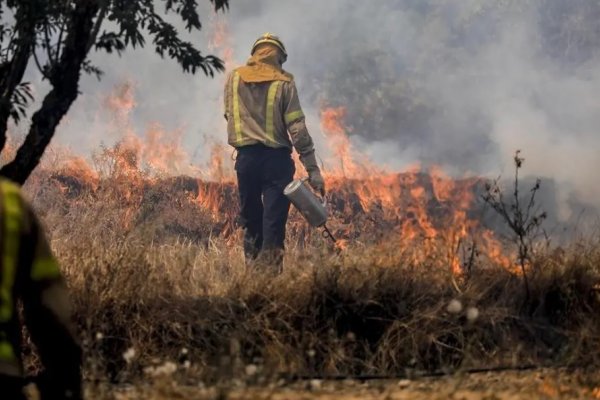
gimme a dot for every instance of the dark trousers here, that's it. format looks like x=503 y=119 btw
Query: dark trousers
x=262 y=174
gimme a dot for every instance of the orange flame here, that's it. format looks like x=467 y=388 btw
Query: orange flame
x=430 y=208
x=211 y=196
x=220 y=39
x=80 y=168
x=121 y=101
x=422 y=213
x=332 y=125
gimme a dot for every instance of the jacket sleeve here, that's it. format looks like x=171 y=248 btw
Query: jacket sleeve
x=296 y=126
x=48 y=314
x=226 y=97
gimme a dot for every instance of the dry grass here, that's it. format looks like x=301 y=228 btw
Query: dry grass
x=511 y=385
x=156 y=298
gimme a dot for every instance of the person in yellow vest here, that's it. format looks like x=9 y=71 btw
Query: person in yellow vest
x=264 y=123
x=30 y=273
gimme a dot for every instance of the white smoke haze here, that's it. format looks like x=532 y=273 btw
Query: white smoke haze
x=457 y=83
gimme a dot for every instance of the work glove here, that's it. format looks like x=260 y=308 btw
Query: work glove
x=315 y=179
x=309 y=160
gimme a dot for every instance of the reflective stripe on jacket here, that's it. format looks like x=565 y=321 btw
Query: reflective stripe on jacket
x=12 y=221
x=267 y=113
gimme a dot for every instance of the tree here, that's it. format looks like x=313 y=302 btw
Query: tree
x=56 y=36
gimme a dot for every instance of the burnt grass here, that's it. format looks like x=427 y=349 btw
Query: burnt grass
x=157 y=280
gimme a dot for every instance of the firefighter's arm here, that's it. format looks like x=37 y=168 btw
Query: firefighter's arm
x=301 y=139
x=226 y=96
x=48 y=316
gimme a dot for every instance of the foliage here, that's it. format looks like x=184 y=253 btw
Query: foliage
x=56 y=37
x=22 y=97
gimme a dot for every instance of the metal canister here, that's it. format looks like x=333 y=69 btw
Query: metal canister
x=309 y=205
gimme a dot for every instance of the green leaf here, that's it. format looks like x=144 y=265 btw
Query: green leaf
x=91 y=69
x=109 y=42
x=20 y=100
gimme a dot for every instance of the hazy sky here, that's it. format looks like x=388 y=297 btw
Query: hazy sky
x=459 y=83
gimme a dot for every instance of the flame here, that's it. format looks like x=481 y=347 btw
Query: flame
x=219 y=166
x=430 y=209
x=78 y=167
x=211 y=196
x=10 y=149
x=156 y=151
x=162 y=151
x=121 y=102
x=344 y=161
x=420 y=213
x=220 y=40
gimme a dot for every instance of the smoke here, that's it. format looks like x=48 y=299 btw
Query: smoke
x=458 y=83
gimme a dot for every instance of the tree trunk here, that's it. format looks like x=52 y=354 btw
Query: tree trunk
x=65 y=83
x=13 y=71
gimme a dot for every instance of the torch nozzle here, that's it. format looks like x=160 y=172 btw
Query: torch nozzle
x=327 y=234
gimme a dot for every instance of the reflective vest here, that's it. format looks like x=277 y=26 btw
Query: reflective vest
x=261 y=112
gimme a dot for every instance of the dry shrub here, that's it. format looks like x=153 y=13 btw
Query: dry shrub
x=158 y=289
x=357 y=313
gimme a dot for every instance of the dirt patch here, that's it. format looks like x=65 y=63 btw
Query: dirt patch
x=538 y=384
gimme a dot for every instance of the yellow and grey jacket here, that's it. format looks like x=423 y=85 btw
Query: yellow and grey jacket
x=30 y=273
x=262 y=107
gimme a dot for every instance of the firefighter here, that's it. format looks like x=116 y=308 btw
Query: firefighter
x=29 y=273
x=264 y=123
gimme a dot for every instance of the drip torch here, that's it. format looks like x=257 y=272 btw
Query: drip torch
x=310 y=206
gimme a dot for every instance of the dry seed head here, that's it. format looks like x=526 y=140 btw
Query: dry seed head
x=404 y=383
x=454 y=307
x=472 y=314
x=166 y=369
x=129 y=355
x=251 y=369
x=315 y=384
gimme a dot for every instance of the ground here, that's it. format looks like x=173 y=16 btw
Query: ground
x=534 y=384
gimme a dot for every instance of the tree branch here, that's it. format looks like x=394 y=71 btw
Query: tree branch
x=39 y=65
x=60 y=37
x=65 y=81
x=15 y=69
x=98 y=24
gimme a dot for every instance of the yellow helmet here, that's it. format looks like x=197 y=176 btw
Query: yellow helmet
x=272 y=39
